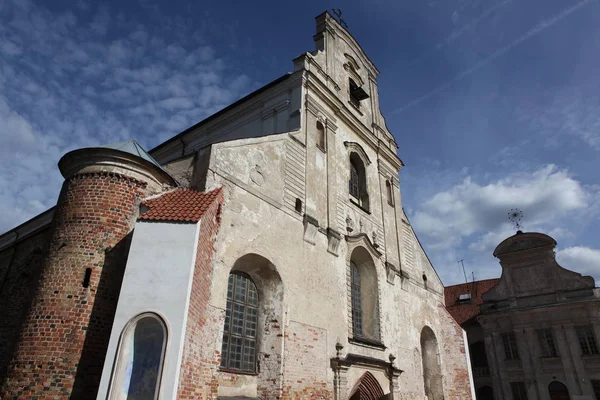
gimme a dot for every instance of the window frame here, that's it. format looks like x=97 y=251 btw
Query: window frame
x=128 y=334
x=511 y=349
x=357 y=181
x=356 y=301
x=587 y=340
x=226 y=355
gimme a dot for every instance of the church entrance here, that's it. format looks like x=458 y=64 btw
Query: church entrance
x=367 y=388
x=558 y=391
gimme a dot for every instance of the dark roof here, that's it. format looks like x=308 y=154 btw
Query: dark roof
x=462 y=311
x=181 y=205
x=224 y=110
x=134 y=148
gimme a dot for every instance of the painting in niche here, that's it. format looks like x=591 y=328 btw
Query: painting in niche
x=142 y=360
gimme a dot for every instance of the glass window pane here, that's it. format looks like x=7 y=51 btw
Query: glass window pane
x=252 y=295
x=251 y=322
x=237 y=322
x=241 y=324
x=140 y=360
x=230 y=288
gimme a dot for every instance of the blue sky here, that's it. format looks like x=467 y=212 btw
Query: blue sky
x=495 y=104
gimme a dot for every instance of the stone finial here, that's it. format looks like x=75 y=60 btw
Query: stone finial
x=338 y=349
x=392 y=359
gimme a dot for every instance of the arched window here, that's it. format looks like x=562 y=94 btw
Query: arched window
x=356 y=301
x=364 y=296
x=320 y=136
x=358 y=182
x=241 y=323
x=141 y=355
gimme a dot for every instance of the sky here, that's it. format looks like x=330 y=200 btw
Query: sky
x=495 y=104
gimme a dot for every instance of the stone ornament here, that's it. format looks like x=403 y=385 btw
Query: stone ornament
x=257 y=176
x=349 y=224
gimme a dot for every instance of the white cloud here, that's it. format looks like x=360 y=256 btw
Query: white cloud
x=470 y=208
x=581 y=259
x=93 y=77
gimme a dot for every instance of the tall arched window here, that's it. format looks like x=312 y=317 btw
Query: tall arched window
x=364 y=296
x=356 y=301
x=141 y=355
x=358 y=182
x=241 y=323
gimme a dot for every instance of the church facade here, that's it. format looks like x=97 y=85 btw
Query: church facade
x=262 y=253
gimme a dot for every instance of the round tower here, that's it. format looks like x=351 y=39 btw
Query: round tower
x=63 y=341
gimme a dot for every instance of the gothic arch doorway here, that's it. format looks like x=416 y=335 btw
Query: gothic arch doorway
x=558 y=391
x=367 y=388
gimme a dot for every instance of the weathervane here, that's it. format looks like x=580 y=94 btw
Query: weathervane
x=515 y=216
x=338 y=13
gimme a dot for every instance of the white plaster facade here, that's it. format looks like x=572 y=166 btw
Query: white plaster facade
x=157 y=280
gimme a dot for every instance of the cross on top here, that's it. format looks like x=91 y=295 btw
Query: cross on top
x=338 y=14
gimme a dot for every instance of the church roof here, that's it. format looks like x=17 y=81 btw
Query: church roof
x=463 y=300
x=134 y=148
x=181 y=205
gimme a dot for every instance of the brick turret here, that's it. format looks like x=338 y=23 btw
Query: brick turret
x=62 y=346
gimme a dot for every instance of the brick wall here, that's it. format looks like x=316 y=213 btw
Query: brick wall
x=306 y=363
x=63 y=343
x=197 y=379
x=454 y=364
x=20 y=268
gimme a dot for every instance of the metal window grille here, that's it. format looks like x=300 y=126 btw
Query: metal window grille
x=518 y=390
x=510 y=346
x=596 y=388
x=241 y=323
x=354 y=181
x=546 y=339
x=587 y=339
x=357 y=327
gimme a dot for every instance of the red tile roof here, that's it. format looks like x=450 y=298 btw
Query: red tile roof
x=183 y=205
x=465 y=310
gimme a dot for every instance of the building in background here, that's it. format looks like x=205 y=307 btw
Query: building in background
x=533 y=333
x=262 y=253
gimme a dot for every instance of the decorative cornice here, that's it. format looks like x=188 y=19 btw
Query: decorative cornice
x=357 y=148
x=315 y=108
x=102 y=159
x=386 y=170
x=363 y=239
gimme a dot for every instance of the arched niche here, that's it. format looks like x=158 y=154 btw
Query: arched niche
x=432 y=371
x=140 y=359
x=558 y=391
